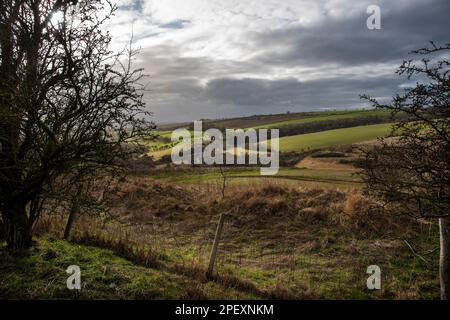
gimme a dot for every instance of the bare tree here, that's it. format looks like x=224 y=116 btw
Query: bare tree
x=412 y=166
x=68 y=104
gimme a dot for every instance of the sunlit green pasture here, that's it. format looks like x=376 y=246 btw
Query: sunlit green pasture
x=317 y=140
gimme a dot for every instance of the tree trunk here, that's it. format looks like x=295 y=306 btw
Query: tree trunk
x=72 y=214
x=17 y=227
x=443 y=259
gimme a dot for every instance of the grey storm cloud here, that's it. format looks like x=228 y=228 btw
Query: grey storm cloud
x=321 y=93
x=350 y=42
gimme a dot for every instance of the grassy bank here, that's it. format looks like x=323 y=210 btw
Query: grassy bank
x=41 y=274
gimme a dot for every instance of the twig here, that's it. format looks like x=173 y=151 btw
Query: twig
x=415 y=253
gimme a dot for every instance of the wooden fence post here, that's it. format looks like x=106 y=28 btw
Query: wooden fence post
x=213 y=256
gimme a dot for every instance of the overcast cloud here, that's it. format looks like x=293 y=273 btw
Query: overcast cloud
x=212 y=59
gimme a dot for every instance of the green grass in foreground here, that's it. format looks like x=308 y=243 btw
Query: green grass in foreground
x=41 y=274
x=335 y=137
x=333 y=268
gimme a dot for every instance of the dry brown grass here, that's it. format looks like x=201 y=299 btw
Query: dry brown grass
x=145 y=212
x=268 y=227
x=331 y=164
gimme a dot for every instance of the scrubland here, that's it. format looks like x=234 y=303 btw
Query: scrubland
x=278 y=241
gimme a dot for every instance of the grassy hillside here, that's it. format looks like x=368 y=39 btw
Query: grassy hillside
x=325 y=116
x=307 y=232
x=277 y=242
x=276 y=120
x=333 y=137
x=41 y=274
x=161 y=146
x=317 y=140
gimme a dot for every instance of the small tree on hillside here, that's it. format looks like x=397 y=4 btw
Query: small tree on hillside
x=412 y=166
x=68 y=105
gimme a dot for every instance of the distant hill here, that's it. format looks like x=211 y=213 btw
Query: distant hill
x=276 y=120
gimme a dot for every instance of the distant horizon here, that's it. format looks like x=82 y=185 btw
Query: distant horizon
x=267 y=114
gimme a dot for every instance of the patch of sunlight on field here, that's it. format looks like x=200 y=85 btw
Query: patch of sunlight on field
x=335 y=137
x=157 y=155
x=328 y=163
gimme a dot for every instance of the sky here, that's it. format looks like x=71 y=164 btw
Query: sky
x=216 y=59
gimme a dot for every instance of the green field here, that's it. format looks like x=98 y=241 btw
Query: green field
x=326 y=116
x=335 y=137
x=252 y=176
